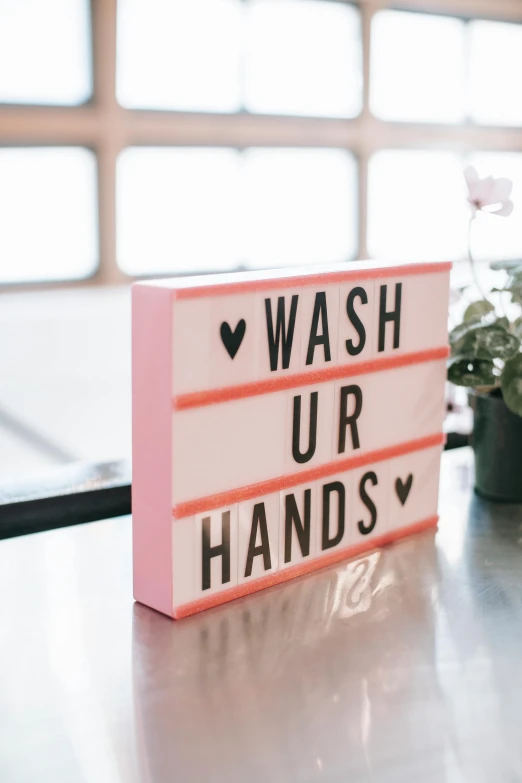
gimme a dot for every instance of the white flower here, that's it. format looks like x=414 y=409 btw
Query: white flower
x=489 y=194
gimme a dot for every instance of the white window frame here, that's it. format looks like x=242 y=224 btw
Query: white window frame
x=107 y=128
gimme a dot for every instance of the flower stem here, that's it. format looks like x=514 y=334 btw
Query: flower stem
x=472 y=263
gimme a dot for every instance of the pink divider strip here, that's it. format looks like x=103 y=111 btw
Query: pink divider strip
x=215 y=396
x=326 y=278
x=262 y=488
x=302 y=568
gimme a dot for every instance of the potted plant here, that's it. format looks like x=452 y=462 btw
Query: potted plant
x=486 y=358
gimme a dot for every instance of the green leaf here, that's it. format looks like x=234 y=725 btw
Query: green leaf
x=462 y=329
x=507 y=265
x=494 y=342
x=480 y=308
x=466 y=346
x=484 y=340
x=471 y=372
x=503 y=322
x=512 y=384
x=516 y=327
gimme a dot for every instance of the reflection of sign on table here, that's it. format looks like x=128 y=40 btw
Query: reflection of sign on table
x=281 y=423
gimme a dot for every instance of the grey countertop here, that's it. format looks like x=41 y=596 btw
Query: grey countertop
x=401 y=665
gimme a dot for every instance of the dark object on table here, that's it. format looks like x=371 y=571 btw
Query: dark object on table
x=497 y=443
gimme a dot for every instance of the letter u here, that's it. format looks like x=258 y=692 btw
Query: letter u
x=298 y=455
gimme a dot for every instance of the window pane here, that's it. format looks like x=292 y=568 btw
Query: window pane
x=178 y=210
x=495 y=237
x=495 y=70
x=300 y=206
x=48 y=214
x=417 y=205
x=417 y=67
x=45 y=52
x=303 y=57
x=194 y=210
x=179 y=54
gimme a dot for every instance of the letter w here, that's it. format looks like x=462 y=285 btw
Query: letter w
x=284 y=334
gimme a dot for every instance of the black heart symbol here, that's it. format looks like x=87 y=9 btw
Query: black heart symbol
x=403 y=488
x=233 y=339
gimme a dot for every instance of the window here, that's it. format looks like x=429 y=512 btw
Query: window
x=181 y=209
x=303 y=58
x=495 y=51
x=178 y=210
x=45 y=52
x=48 y=214
x=428 y=68
x=300 y=207
x=179 y=55
x=410 y=80
x=416 y=204
x=177 y=136
x=416 y=208
x=300 y=57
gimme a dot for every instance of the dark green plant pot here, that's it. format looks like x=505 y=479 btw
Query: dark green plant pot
x=497 y=443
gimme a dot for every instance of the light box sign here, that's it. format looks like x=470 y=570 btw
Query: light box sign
x=282 y=421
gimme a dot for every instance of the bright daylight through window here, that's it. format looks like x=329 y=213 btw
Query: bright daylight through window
x=229 y=134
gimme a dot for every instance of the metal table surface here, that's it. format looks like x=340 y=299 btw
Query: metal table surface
x=401 y=665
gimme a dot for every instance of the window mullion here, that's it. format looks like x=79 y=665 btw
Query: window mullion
x=506 y=10
x=111 y=142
